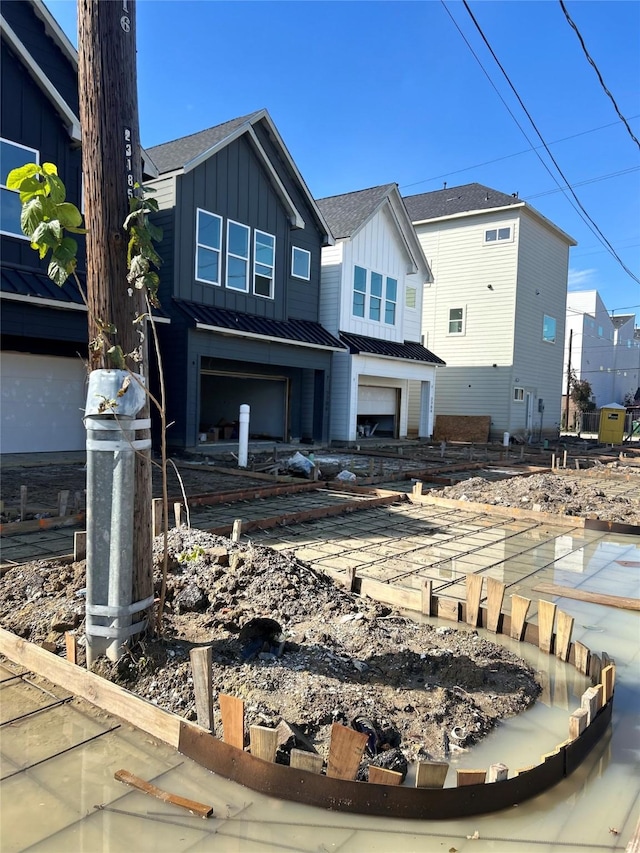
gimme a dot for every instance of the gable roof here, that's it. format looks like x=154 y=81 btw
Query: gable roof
x=469 y=199
x=187 y=152
x=619 y=320
x=346 y=214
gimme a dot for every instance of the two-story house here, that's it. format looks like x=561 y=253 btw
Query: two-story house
x=241 y=282
x=43 y=326
x=496 y=309
x=372 y=286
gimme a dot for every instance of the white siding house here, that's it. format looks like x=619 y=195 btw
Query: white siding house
x=604 y=349
x=371 y=298
x=496 y=309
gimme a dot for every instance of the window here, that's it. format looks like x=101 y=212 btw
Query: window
x=208 y=245
x=518 y=395
x=456 y=321
x=495 y=235
x=390 y=301
x=237 y=256
x=549 y=329
x=410 y=297
x=359 y=291
x=12 y=156
x=300 y=263
x=264 y=259
x=375 y=299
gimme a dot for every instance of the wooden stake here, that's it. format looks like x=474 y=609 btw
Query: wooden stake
x=590 y=702
x=417 y=489
x=595 y=668
x=519 y=609
x=563 y=635
x=177 y=512
x=71 y=646
x=382 y=776
x=470 y=777
x=237 y=530
x=495 y=597
x=232 y=713
x=345 y=752
x=608 y=676
x=425 y=601
x=79 y=545
x=582 y=654
x=431 y=774
x=303 y=760
x=497 y=773
x=201 y=659
x=350 y=578
x=546 y=614
x=135 y=782
x=474 y=592
x=23 y=503
x=157 y=516
x=578 y=723
x=263 y=742
x=63 y=502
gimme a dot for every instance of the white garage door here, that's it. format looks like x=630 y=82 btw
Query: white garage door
x=376 y=400
x=43 y=401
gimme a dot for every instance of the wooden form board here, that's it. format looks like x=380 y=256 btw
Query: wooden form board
x=201 y=659
x=431 y=774
x=300 y=759
x=382 y=776
x=582 y=655
x=193 y=806
x=495 y=598
x=470 y=777
x=264 y=742
x=345 y=752
x=563 y=635
x=546 y=616
x=232 y=713
x=619 y=601
x=519 y=610
x=474 y=593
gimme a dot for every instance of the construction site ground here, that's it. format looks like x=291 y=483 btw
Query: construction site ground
x=382 y=535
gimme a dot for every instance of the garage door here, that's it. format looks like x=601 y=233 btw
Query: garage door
x=376 y=400
x=43 y=402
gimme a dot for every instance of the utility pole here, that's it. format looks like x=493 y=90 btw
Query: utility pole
x=111 y=166
x=566 y=416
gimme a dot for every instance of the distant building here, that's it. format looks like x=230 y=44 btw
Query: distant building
x=496 y=309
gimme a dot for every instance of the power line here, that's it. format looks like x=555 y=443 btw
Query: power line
x=597 y=70
x=584 y=183
x=591 y=224
x=509 y=156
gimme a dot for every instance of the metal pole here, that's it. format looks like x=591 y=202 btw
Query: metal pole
x=566 y=416
x=243 y=436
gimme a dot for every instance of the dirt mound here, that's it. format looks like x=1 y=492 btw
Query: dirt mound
x=295 y=647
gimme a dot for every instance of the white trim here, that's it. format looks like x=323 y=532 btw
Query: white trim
x=221 y=330
x=463 y=330
x=499 y=240
x=19 y=234
x=271 y=294
x=295 y=249
x=230 y=254
x=69 y=117
x=217 y=283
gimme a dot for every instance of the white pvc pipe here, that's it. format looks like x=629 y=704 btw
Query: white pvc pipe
x=243 y=436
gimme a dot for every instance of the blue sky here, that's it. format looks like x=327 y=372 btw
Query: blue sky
x=364 y=93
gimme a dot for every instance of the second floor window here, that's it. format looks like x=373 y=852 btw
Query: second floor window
x=12 y=156
x=237 y=256
x=359 y=291
x=208 y=245
x=377 y=301
x=549 y=329
x=300 y=263
x=375 y=298
x=456 y=321
x=264 y=259
x=391 y=297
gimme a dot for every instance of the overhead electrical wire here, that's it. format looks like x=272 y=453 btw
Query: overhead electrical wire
x=584 y=183
x=597 y=70
x=586 y=218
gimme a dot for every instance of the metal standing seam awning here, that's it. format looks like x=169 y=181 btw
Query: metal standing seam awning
x=409 y=350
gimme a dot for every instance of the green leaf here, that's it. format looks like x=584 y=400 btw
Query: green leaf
x=151 y=204
x=50 y=168
x=131 y=217
x=76 y=230
x=69 y=215
x=66 y=251
x=17 y=176
x=117 y=357
x=30 y=188
x=155 y=232
x=31 y=216
x=57 y=192
x=59 y=272
x=47 y=233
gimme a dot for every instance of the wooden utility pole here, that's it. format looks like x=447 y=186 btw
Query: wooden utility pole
x=111 y=165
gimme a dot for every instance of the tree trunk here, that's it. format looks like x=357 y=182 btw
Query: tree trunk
x=111 y=165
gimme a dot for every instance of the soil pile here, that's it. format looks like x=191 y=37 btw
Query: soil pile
x=294 y=646
x=557 y=493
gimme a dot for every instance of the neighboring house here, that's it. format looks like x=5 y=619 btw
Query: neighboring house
x=605 y=350
x=372 y=284
x=44 y=327
x=496 y=309
x=241 y=282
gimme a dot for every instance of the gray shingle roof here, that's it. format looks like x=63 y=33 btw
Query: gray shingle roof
x=409 y=349
x=347 y=212
x=620 y=319
x=173 y=155
x=469 y=197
